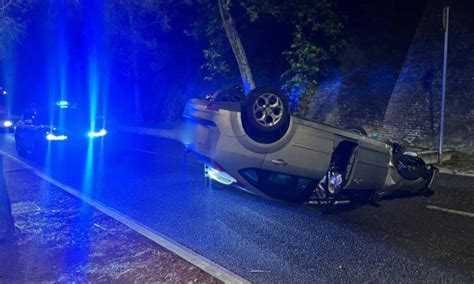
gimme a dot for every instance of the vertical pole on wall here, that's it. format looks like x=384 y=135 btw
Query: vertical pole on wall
x=443 y=91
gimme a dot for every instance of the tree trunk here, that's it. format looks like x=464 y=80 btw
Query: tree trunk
x=137 y=95
x=7 y=227
x=237 y=48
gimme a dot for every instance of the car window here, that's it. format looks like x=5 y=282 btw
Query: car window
x=264 y=179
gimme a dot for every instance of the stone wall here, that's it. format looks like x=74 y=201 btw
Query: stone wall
x=400 y=98
x=379 y=34
x=413 y=112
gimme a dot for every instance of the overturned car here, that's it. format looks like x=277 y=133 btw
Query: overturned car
x=254 y=143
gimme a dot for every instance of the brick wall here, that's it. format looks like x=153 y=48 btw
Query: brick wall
x=412 y=114
x=400 y=98
x=379 y=34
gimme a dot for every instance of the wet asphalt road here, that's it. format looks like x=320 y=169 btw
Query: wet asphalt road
x=155 y=182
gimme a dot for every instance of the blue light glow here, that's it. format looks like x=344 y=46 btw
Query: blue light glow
x=52 y=137
x=101 y=133
x=7 y=123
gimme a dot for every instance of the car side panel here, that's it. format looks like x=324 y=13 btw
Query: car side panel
x=227 y=152
x=307 y=154
x=233 y=157
x=25 y=134
x=370 y=168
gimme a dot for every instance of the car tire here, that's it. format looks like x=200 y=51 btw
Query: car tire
x=265 y=115
x=411 y=168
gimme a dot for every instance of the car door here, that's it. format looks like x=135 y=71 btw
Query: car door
x=25 y=130
x=307 y=154
x=370 y=167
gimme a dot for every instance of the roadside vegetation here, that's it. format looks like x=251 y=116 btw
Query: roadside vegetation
x=157 y=54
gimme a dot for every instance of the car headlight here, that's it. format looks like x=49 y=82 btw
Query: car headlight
x=94 y=134
x=7 y=123
x=53 y=137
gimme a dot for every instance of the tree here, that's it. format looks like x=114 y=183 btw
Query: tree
x=12 y=22
x=314 y=37
x=7 y=226
x=315 y=41
x=236 y=44
x=134 y=25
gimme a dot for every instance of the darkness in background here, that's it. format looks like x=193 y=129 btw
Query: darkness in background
x=378 y=34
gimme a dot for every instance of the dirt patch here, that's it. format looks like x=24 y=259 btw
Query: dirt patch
x=62 y=239
x=461 y=162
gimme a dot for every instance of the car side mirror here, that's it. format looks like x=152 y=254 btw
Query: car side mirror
x=28 y=121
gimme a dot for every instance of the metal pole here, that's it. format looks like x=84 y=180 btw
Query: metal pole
x=443 y=91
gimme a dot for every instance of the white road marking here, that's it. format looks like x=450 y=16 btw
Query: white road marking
x=200 y=261
x=37 y=207
x=143 y=151
x=451 y=211
x=124 y=272
x=99 y=226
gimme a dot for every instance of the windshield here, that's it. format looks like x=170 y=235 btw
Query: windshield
x=69 y=118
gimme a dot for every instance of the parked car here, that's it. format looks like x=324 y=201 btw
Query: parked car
x=61 y=124
x=254 y=143
x=6 y=122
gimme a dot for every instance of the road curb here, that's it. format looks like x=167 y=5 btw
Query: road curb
x=192 y=257
x=454 y=172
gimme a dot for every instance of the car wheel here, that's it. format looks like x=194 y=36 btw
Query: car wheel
x=411 y=168
x=265 y=115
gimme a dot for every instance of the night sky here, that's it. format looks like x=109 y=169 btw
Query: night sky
x=61 y=40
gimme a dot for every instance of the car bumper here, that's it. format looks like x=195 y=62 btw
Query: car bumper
x=395 y=182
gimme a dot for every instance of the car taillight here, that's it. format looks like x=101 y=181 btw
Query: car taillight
x=213 y=107
x=218 y=167
x=215 y=166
